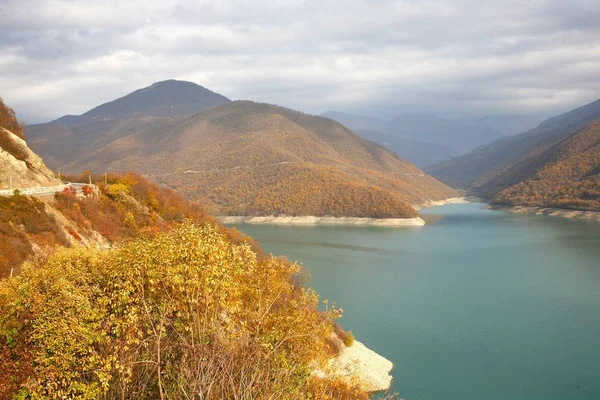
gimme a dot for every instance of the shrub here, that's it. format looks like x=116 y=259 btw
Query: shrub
x=8 y=120
x=169 y=315
x=349 y=339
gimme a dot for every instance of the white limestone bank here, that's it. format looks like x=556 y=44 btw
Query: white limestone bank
x=357 y=364
x=452 y=200
x=311 y=220
x=553 y=212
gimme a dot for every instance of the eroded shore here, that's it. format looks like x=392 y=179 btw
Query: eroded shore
x=553 y=212
x=453 y=200
x=312 y=220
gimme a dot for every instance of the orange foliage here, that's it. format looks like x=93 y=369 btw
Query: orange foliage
x=8 y=120
x=23 y=221
x=297 y=190
x=142 y=206
x=565 y=176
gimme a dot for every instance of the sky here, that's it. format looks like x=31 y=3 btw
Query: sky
x=375 y=57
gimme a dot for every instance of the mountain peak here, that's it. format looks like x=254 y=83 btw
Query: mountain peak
x=164 y=98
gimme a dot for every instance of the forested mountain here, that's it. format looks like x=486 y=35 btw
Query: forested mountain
x=565 y=175
x=419 y=153
x=67 y=138
x=482 y=165
x=248 y=158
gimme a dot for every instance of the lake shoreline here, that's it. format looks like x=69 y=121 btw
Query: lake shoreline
x=451 y=200
x=309 y=220
x=553 y=212
x=312 y=220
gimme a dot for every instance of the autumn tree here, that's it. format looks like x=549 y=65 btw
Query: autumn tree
x=184 y=314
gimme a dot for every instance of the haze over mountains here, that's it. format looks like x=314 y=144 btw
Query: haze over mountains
x=414 y=134
x=480 y=168
x=238 y=157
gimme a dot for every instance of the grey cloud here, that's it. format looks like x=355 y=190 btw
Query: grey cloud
x=381 y=57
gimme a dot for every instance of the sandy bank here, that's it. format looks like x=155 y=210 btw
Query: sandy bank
x=311 y=220
x=554 y=212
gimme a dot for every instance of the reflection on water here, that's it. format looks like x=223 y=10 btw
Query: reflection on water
x=325 y=244
x=478 y=305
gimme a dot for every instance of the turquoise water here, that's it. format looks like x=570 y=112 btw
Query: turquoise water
x=480 y=305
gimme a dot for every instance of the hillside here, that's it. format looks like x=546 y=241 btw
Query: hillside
x=566 y=175
x=19 y=166
x=475 y=169
x=67 y=138
x=247 y=158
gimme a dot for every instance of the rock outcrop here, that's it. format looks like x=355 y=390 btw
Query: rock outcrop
x=21 y=165
x=359 y=365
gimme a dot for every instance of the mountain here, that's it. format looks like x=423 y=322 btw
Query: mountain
x=565 y=175
x=419 y=153
x=65 y=138
x=482 y=165
x=376 y=130
x=166 y=98
x=357 y=122
x=457 y=135
x=511 y=124
x=246 y=158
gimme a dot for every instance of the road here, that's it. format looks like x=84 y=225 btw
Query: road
x=40 y=191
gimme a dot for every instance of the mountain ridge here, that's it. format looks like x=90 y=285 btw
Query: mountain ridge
x=159 y=103
x=242 y=145
x=473 y=170
x=565 y=175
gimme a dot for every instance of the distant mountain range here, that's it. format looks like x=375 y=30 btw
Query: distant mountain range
x=486 y=169
x=239 y=157
x=450 y=136
x=414 y=151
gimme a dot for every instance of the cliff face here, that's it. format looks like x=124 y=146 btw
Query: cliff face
x=21 y=165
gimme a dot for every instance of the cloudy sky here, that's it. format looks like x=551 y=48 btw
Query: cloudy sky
x=451 y=57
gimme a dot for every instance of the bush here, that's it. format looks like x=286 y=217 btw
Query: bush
x=170 y=315
x=349 y=339
x=8 y=120
x=24 y=220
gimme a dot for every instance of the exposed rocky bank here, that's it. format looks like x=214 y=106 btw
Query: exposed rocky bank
x=553 y=212
x=312 y=220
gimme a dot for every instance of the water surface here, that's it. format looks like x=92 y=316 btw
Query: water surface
x=480 y=305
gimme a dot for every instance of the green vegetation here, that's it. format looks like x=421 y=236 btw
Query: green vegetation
x=172 y=315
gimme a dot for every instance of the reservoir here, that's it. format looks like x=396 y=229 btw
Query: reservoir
x=476 y=305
